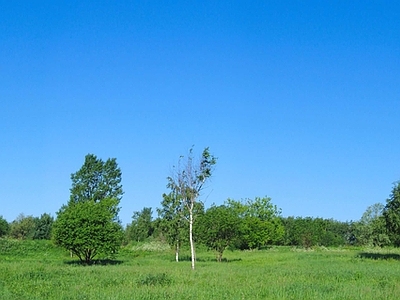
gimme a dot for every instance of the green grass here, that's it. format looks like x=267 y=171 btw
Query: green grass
x=38 y=270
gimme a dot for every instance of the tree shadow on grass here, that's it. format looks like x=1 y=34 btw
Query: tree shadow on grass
x=208 y=259
x=95 y=262
x=379 y=256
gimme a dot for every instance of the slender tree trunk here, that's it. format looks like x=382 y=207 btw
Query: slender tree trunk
x=219 y=259
x=177 y=251
x=191 y=237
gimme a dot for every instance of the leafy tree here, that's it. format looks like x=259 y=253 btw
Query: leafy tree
x=218 y=228
x=89 y=224
x=260 y=222
x=371 y=229
x=391 y=214
x=43 y=227
x=4 y=227
x=262 y=208
x=308 y=232
x=335 y=233
x=172 y=223
x=141 y=227
x=96 y=180
x=257 y=233
x=187 y=181
x=23 y=227
x=88 y=229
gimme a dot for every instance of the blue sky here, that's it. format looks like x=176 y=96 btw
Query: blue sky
x=299 y=100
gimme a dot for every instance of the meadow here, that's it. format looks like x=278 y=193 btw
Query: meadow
x=39 y=270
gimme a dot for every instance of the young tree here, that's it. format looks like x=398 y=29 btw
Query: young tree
x=308 y=232
x=89 y=224
x=391 y=214
x=141 y=227
x=172 y=221
x=218 y=228
x=43 y=228
x=4 y=227
x=187 y=181
x=371 y=229
x=260 y=222
x=23 y=227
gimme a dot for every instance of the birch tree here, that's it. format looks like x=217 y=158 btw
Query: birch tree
x=187 y=181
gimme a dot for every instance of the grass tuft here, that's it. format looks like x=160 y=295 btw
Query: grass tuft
x=155 y=279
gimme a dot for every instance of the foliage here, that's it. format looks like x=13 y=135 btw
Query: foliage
x=218 y=228
x=4 y=227
x=187 y=182
x=29 y=227
x=96 y=180
x=88 y=229
x=23 y=227
x=257 y=233
x=260 y=224
x=43 y=227
x=308 y=232
x=141 y=227
x=371 y=229
x=391 y=214
x=89 y=224
x=172 y=221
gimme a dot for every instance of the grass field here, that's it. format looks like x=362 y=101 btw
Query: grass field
x=38 y=270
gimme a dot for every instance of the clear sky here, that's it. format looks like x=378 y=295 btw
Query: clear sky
x=299 y=100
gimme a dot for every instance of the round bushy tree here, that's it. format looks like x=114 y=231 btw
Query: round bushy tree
x=88 y=229
x=89 y=224
x=218 y=228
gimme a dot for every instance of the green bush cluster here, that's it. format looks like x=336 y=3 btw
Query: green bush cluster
x=31 y=228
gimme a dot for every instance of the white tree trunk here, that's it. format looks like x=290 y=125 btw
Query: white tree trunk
x=177 y=251
x=191 y=237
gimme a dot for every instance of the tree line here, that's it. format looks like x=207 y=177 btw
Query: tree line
x=88 y=225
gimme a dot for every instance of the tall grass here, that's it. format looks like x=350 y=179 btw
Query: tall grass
x=276 y=273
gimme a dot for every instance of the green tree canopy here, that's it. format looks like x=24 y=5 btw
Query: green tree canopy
x=89 y=224
x=23 y=227
x=218 y=227
x=172 y=223
x=260 y=222
x=391 y=214
x=43 y=228
x=371 y=229
x=141 y=227
x=96 y=180
x=88 y=229
x=4 y=227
